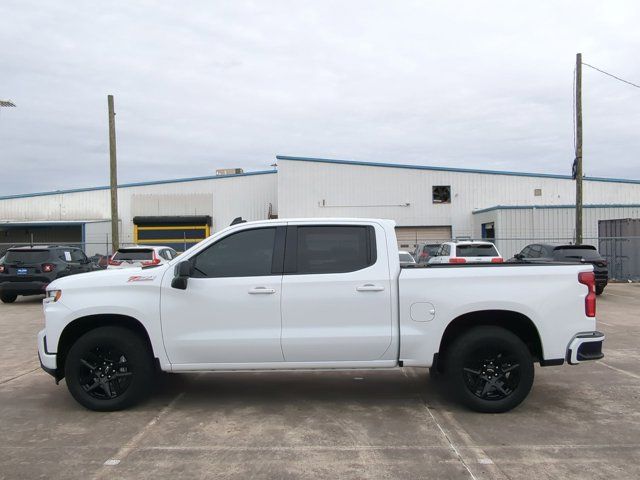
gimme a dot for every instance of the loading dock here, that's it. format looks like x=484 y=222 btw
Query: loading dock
x=178 y=232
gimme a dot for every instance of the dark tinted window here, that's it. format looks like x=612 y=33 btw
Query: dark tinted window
x=134 y=254
x=526 y=252
x=27 y=256
x=431 y=249
x=77 y=256
x=536 y=251
x=244 y=254
x=476 y=250
x=576 y=254
x=334 y=249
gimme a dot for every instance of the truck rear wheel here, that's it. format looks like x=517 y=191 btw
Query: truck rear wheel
x=489 y=369
x=109 y=368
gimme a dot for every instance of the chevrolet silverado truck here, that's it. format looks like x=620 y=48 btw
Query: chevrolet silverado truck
x=316 y=294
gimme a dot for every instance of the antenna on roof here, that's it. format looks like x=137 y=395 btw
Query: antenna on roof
x=237 y=220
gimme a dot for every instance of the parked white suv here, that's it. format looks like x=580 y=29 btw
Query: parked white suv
x=467 y=252
x=131 y=257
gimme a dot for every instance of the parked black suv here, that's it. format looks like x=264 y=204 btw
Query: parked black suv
x=28 y=270
x=544 y=253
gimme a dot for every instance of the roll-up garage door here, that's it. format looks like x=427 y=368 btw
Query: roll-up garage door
x=177 y=232
x=409 y=237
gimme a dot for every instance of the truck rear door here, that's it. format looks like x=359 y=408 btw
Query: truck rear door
x=336 y=294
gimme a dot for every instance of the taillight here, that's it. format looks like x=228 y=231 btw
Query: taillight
x=148 y=263
x=48 y=267
x=457 y=260
x=1 y=268
x=114 y=262
x=589 y=279
x=497 y=260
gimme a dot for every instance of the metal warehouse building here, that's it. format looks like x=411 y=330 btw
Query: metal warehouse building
x=428 y=203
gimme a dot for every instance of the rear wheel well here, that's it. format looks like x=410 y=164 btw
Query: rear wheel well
x=517 y=323
x=82 y=325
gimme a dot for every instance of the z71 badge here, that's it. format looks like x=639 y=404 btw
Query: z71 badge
x=141 y=278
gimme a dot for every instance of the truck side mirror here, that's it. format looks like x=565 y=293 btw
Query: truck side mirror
x=182 y=272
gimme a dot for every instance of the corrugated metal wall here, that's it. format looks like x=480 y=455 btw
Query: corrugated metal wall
x=516 y=228
x=228 y=197
x=619 y=243
x=317 y=189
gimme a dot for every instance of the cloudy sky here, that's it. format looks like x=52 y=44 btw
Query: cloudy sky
x=233 y=83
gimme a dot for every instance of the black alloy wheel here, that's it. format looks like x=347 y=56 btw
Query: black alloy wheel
x=489 y=369
x=109 y=368
x=491 y=374
x=104 y=372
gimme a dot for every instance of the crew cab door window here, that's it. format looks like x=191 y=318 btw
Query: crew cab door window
x=248 y=253
x=336 y=294
x=334 y=249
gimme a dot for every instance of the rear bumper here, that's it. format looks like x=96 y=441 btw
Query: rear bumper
x=47 y=359
x=24 y=288
x=585 y=346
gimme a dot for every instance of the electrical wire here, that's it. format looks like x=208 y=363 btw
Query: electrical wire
x=612 y=76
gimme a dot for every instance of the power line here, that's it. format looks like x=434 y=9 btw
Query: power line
x=613 y=76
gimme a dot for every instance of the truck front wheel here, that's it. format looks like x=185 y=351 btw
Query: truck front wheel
x=489 y=369
x=109 y=368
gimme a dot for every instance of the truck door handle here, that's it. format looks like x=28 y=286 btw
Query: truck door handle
x=263 y=290
x=369 y=287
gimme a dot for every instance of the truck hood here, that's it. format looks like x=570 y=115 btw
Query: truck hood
x=110 y=278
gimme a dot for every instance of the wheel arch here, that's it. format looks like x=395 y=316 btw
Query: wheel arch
x=82 y=325
x=515 y=322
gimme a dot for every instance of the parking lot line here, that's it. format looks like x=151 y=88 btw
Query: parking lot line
x=478 y=455
x=127 y=448
x=7 y=380
x=619 y=369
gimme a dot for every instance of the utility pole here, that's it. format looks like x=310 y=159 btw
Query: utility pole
x=578 y=159
x=113 y=168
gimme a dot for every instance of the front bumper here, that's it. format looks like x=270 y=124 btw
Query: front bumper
x=585 y=346
x=47 y=359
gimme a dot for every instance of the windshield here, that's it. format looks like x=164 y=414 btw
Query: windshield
x=134 y=254
x=476 y=250
x=405 y=257
x=577 y=253
x=27 y=256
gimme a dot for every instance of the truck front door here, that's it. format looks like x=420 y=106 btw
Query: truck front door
x=230 y=310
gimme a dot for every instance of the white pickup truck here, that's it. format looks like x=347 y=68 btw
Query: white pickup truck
x=316 y=294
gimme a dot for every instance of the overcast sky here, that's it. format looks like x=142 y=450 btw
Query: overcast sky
x=233 y=83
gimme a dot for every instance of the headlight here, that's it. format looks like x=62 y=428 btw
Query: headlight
x=53 y=295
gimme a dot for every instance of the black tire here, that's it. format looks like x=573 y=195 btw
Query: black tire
x=489 y=369
x=109 y=368
x=8 y=298
x=600 y=289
